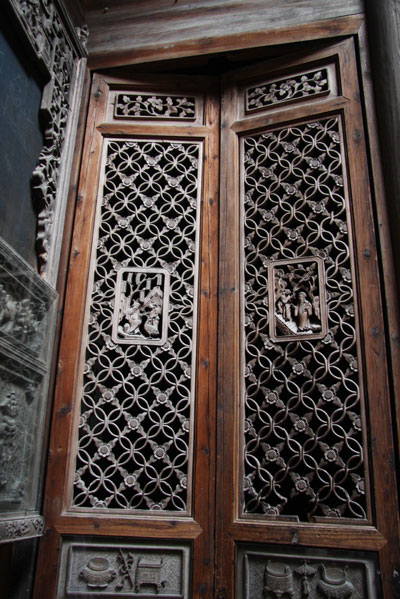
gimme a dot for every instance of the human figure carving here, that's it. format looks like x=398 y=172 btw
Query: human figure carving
x=303 y=311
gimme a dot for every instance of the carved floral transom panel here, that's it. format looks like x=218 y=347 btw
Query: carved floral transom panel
x=134 y=105
x=303 y=416
x=134 y=449
x=280 y=91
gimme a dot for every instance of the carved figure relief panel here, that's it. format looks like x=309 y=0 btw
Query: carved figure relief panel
x=302 y=413
x=273 y=573
x=124 y=569
x=297 y=299
x=134 y=450
x=141 y=306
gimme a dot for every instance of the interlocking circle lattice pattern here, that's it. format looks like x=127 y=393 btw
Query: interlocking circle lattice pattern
x=135 y=426
x=303 y=451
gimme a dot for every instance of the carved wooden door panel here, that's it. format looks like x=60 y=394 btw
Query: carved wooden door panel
x=130 y=493
x=298 y=437
x=306 y=483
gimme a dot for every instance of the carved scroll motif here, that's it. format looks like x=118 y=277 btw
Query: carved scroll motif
x=132 y=106
x=135 y=428
x=303 y=441
x=14 y=529
x=281 y=91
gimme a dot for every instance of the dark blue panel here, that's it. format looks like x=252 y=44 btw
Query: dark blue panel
x=20 y=141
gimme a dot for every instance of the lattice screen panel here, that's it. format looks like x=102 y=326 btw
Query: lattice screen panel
x=303 y=415
x=135 y=431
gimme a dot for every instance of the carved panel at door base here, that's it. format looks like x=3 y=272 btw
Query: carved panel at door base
x=265 y=574
x=124 y=569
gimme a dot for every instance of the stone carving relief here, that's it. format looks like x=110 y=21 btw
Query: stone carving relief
x=139 y=356
x=24 y=303
x=125 y=570
x=14 y=529
x=303 y=421
x=280 y=91
x=56 y=51
x=289 y=575
x=141 y=306
x=26 y=313
x=132 y=106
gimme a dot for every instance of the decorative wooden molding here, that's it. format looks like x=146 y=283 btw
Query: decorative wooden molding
x=17 y=529
x=57 y=47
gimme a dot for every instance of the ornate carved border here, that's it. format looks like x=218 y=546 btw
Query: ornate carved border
x=16 y=529
x=57 y=48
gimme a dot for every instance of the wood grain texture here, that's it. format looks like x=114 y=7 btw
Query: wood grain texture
x=383 y=21
x=60 y=519
x=380 y=448
x=173 y=28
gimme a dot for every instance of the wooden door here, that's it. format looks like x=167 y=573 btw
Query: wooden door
x=130 y=491
x=306 y=481
x=278 y=481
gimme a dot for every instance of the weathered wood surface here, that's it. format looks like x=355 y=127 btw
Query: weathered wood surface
x=384 y=36
x=382 y=533
x=383 y=21
x=166 y=25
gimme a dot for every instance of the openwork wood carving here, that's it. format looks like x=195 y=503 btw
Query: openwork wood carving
x=54 y=49
x=303 y=85
x=134 y=106
x=26 y=319
x=303 y=442
x=124 y=569
x=135 y=429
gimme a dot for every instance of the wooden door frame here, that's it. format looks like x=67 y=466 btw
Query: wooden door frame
x=353 y=26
